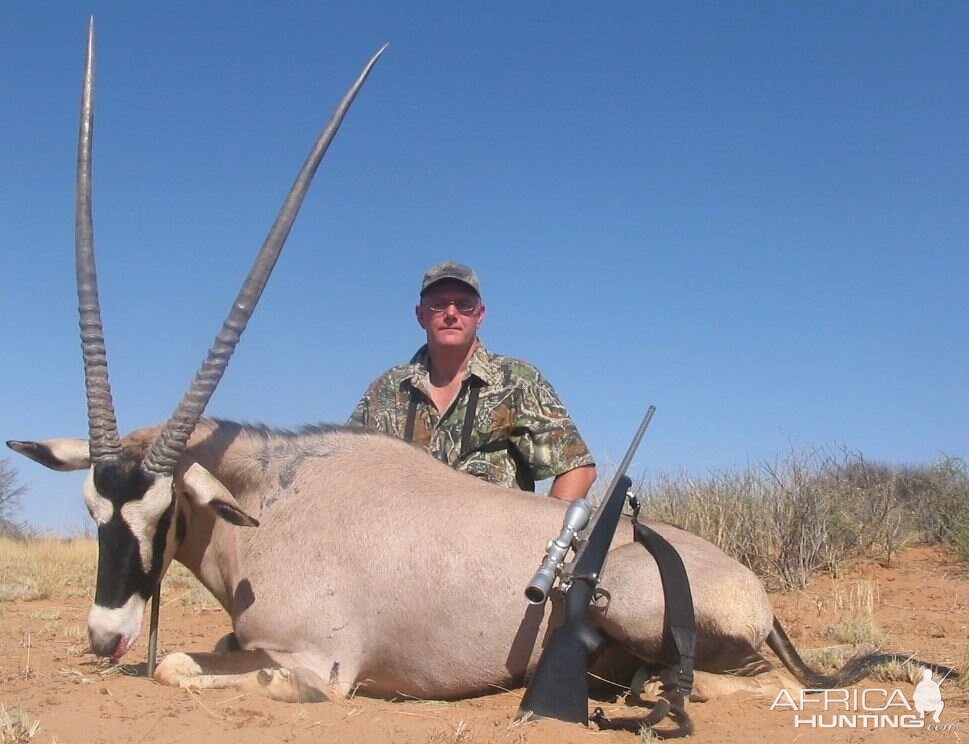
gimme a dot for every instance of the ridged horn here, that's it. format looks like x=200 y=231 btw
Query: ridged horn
x=102 y=424
x=170 y=444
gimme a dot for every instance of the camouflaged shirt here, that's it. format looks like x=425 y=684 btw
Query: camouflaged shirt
x=521 y=431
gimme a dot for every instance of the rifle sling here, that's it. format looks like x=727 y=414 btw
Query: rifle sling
x=679 y=619
x=679 y=634
x=411 y=417
x=466 y=428
x=523 y=471
x=469 y=418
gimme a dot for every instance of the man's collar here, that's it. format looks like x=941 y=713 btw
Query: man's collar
x=480 y=365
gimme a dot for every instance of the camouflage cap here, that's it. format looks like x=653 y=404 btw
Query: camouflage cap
x=450 y=270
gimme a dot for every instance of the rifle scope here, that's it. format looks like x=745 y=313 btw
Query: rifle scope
x=576 y=518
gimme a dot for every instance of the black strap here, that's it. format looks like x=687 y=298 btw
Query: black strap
x=411 y=417
x=412 y=405
x=679 y=618
x=523 y=471
x=679 y=639
x=466 y=429
x=469 y=418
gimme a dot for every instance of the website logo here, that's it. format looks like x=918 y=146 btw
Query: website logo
x=928 y=697
x=867 y=708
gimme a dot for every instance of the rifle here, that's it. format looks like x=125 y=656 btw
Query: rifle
x=559 y=688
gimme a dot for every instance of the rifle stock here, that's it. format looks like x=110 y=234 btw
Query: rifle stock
x=560 y=688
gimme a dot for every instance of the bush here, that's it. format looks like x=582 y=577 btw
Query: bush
x=939 y=498
x=10 y=493
x=14 y=530
x=812 y=510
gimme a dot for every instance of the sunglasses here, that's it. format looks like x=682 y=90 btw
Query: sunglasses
x=465 y=307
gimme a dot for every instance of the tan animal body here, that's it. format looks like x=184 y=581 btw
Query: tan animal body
x=347 y=558
x=375 y=564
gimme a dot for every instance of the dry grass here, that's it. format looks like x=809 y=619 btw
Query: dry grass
x=454 y=732
x=853 y=602
x=16 y=726
x=897 y=671
x=857 y=601
x=43 y=567
x=181 y=587
x=814 y=510
x=962 y=681
x=827 y=657
x=74 y=633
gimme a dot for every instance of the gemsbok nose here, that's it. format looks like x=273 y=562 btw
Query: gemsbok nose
x=104 y=643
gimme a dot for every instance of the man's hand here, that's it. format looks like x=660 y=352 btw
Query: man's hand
x=573 y=484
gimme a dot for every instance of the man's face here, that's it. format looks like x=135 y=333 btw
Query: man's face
x=451 y=313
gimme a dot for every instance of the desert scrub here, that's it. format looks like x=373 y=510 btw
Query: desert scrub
x=813 y=510
x=38 y=568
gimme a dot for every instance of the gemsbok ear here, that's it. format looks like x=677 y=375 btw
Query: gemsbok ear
x=57 y=454
x=205 y=490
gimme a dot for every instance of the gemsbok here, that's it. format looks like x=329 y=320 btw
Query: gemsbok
x=348 y=558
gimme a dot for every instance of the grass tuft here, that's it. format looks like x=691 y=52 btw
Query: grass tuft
x=16 y=726
x=455 y=732
x=857 y=602
x=827 y=657
x=897 y=671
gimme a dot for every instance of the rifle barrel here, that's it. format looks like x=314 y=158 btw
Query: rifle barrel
x=626 y=460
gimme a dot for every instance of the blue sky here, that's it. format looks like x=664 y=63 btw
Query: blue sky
x=751 y=215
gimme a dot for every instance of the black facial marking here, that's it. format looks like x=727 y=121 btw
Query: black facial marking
x=120 y=573
x=121 y=480
x=38 y=453
x=232 y=515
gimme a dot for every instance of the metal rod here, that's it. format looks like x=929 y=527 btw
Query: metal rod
x=153 y=630
x=621 y=470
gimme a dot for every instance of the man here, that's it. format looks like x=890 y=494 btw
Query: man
x=488 y=415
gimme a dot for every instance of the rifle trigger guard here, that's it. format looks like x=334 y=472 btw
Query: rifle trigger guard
x=601 y=594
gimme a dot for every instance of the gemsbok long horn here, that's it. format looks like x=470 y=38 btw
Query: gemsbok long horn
x=170 y=444
x=104 y=441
